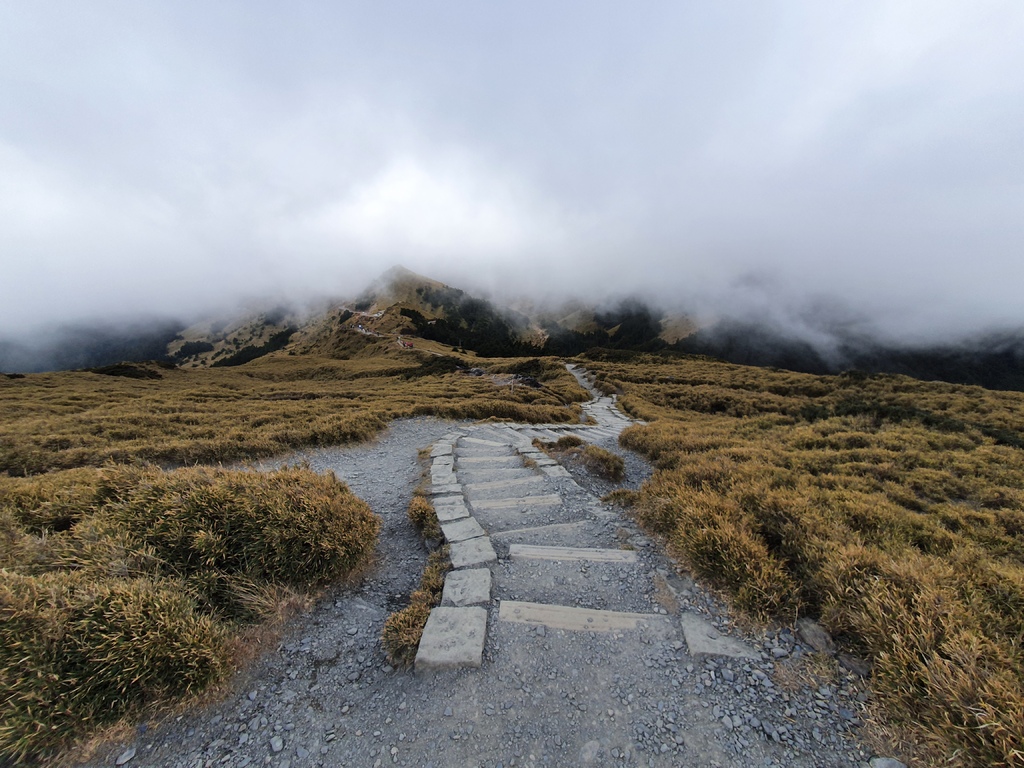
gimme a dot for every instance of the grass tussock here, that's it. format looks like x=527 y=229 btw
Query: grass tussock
x=889 y=508
x=403 y=629
x=124 y=586
x=421 y=513
x=601 y=462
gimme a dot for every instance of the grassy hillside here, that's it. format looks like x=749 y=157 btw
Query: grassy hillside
x=889 y=508
x=278 y=402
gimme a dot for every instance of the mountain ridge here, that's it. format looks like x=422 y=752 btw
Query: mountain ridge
x=401 y=304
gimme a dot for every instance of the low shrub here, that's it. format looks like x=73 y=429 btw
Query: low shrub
x=292 y=526
x=75 y=653
x=421 y=513
x=604 y=463
x=126 y=586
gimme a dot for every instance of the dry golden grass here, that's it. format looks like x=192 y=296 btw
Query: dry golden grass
x=274 y=404
x=421 y=513
x=890 y=508
x=125 y=586
x=601 y=462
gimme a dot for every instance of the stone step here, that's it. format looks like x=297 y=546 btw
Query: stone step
x=555 y=471
x=475 y=474
x=574 y=619
x=497 y=462
x=446 y=513
x=606 y=586
x=471 y=586
x=453 y=638
x=482 y=441
x=594 y=555
x=478 y=551
x=502 y=486
x=518 y=503
x=461 y=530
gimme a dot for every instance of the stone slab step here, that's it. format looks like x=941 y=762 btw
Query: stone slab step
x=447 y=489
x=473 y=475
x=449 y=512
x=491 y=461
x=461 y=530
x=535 y=552
x=453 y=638
x=471 y=586
x=481 y=441
x=555 y=531
x=702 y=637
x=504 y=484
x=573 y=619
x=478 y=551
x=441 y=449
x=555 y=471
x=520 y=502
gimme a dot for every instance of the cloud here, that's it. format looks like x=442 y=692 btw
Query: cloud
x=174 y=157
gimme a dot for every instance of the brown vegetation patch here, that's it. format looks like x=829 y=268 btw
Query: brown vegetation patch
x=126 y=586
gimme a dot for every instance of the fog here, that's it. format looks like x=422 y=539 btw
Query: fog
x=861 y=160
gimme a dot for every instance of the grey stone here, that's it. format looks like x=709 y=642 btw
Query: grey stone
x=125 y=756
x=276 y=743
x=701 y=637
x=441 y=449
x=452 y=638
x=478 y=551
x=450 y=489
x=461 y=530
x=468 y=587
x=859 y=667
x=886 y=762
x=448 y=512
x=812 y=633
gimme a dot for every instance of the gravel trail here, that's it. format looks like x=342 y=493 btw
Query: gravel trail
x=546 y=693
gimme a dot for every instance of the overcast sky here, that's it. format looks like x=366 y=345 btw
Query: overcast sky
x=723 y=156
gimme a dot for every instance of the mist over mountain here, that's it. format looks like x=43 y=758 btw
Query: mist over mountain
x=88 y=345
x=814 y=338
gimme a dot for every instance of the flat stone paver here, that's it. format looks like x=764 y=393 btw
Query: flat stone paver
x=479 y=441
x=546 y=500
x=471 y=586
x=449 y=512
x=441 y=449
x=702 y=637
x=461 y=530
x=534 y=552
x=478 y=551
x=574 y=619
x=502 y=485
x=452 y=638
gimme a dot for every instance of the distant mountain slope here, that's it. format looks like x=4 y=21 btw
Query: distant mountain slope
x=993 y=361
x=88 y=346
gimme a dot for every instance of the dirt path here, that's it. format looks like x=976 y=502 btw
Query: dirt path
x=587 y=648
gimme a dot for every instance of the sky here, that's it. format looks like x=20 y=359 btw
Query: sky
x=725 y=158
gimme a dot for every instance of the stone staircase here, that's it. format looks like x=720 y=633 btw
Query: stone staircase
x=532 y=547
